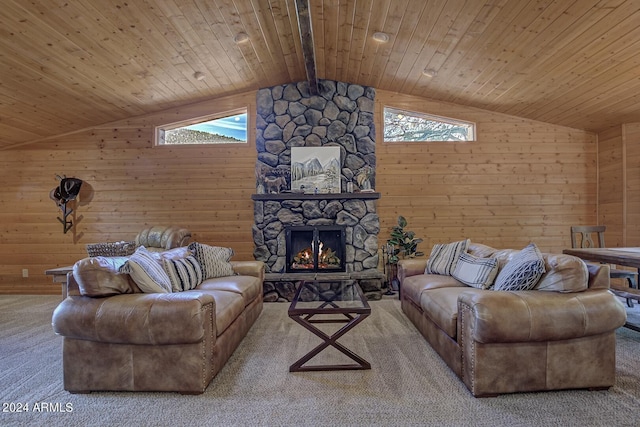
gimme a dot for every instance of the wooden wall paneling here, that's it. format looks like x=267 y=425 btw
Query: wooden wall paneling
x=521 y=180
x=631 y=132
x=129 y=184
x=610 y=185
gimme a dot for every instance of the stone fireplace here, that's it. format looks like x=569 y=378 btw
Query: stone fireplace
x=340 y=116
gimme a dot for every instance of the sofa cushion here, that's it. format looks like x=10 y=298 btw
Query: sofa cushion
x=480 y=250
x=444 y=257
x=184 y=273
x=213 y=259
x=147 y=272
x=229 y=306
x=413 y=286
x=249 y=287
x=476 y=272
x=100 y=276
x=522 y=272
x=441 y=306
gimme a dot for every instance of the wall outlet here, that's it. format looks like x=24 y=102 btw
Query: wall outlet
x=25 y=272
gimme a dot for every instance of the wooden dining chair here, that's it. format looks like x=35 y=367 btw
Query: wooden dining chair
x=585 y=234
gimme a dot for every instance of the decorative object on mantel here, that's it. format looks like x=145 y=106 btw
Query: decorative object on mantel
x=364 y=178
x=270 y=180
x=402 y=244
x=64 y=193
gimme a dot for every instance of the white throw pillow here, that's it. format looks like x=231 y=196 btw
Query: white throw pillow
x=477 y=272
x=444 y=257
x=522 y=272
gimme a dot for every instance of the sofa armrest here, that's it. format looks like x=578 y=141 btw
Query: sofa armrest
x=176 y=318
x=411 y=267
x=249 y=268
x=523 y=316
x=599 y=276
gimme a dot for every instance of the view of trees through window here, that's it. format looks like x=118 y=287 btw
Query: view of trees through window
x=229 y=129
x=408 y=126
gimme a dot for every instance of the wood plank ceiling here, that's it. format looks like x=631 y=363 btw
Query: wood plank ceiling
x=68 y=65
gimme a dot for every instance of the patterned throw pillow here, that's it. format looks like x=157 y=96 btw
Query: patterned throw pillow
x=477 y=272
x=184 y=273
x=522 y=272
x=444 y=257
x=214 y=260
x=147 y=272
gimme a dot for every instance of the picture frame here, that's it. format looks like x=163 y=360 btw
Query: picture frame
x=315 y=170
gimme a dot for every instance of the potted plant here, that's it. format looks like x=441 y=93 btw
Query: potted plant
x=402 y=244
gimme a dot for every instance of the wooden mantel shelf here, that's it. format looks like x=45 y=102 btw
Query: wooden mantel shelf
x=302 y=196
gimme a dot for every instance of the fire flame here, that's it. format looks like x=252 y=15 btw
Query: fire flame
x=326 y=258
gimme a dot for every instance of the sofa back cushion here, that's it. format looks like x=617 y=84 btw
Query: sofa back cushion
x=564 y=273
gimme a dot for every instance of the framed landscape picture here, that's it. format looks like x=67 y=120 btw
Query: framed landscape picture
x=315 y=169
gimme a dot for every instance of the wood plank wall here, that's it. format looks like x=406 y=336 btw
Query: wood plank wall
x=128 y=184
x=520 y=181
x=632 y=143
x=611 y=200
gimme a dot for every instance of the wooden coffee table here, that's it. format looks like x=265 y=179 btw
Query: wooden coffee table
x=329 y=301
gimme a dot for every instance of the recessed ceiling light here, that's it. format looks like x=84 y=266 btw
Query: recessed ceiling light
x=241 y=38
x=429 y=72
x=381 y=37
x=198 y=75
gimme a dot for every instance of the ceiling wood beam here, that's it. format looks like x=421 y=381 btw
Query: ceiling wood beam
x=306 y=37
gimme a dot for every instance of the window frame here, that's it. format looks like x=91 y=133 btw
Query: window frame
x=160 y=129
x=429 y=117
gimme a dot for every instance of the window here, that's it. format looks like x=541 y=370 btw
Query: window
x=408 y=126
x=225 y=128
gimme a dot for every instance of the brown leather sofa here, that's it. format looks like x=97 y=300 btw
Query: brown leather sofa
x=127 y=340
x=560 y=335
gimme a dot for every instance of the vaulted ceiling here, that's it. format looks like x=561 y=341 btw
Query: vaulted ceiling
x=69 y=65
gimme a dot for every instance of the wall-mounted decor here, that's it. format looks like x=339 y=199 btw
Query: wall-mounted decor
x=315 y=169
x=64 y=193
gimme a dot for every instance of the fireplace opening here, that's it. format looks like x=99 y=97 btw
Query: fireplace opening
x=315 y=249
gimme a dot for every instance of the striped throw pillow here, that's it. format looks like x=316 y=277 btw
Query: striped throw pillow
x=444 y=257
x=147 y=272
x=213 y=259
x=184 y=273
x=477 y=272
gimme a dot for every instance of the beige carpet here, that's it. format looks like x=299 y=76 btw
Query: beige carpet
x=407 y=385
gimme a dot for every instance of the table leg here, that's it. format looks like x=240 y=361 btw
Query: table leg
x=329 y=340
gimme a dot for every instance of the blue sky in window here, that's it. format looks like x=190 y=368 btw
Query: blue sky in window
x=233 y=126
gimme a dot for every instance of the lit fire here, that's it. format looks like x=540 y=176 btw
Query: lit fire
x=327 y=258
